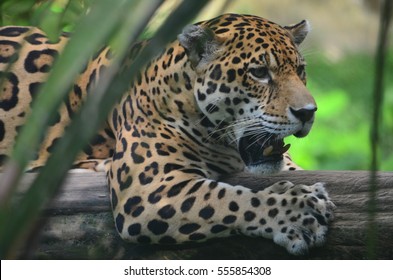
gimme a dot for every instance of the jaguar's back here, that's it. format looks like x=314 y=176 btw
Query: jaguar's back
x=26 y=57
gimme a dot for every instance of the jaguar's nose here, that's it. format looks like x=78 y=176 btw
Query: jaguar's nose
x=304 y=114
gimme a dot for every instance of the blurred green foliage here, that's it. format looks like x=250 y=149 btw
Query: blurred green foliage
x=340 y=137
x=49 y=15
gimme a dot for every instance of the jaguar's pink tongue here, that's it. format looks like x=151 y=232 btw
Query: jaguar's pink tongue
x=267 y=151
x=274 y=149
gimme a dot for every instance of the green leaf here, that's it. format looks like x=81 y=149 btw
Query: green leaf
x=105 y=16
x=83 y=126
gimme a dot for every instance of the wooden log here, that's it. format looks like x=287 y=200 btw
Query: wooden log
x=79 y=222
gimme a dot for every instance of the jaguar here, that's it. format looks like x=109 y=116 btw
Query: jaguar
x=220 y=99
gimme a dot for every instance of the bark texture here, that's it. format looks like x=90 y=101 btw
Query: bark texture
x=79 y=224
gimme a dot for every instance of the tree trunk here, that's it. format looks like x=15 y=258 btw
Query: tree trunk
x=79 y=224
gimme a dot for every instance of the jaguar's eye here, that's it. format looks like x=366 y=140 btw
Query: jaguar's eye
x=260 y=73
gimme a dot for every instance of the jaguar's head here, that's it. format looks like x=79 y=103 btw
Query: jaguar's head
x=251 y=84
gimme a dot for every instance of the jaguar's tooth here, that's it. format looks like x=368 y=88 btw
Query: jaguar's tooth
x=286 y=148
x=267 y=151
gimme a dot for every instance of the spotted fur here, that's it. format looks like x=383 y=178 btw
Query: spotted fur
x=218 y=100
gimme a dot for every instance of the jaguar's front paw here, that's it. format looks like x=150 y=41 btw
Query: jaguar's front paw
x=298 y=216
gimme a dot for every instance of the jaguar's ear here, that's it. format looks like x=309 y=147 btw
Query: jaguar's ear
x=200 y=43
x=299 y=31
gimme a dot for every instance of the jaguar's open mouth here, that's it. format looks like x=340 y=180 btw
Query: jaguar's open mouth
x=269 y=149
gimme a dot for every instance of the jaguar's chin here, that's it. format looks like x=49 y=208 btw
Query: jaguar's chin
x=265 y=168
x=262 y=155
